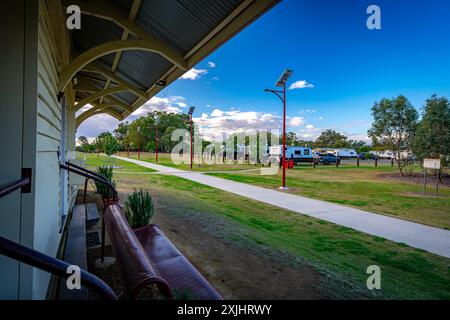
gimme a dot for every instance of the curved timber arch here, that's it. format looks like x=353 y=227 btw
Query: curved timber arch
x=98 y=95
x=110 y=47
x=97 y=110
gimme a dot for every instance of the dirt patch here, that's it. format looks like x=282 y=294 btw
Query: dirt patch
x=235 y=272
x=422 y=195
x=416 y=178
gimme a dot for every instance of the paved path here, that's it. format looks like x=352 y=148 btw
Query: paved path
x=434 y=240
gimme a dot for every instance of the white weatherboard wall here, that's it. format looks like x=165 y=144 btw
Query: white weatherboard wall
x=49 y=194
x=31 y=130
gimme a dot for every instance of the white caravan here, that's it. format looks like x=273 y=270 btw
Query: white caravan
x=298 y=154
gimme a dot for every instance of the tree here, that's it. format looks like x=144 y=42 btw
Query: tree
x=84 y=144
x=106 y=142
x=394 y=127
x=291 y=139
x=110 y=145
x=121 y=135
x=432 y=139
x=331 y=139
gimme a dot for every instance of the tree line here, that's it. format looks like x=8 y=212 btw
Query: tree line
x=397 y=126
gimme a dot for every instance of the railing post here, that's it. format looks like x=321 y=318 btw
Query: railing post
x=85 y=190
x=103 y=240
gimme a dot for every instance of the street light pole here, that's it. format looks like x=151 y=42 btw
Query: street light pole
x=156 y=142
x=282 y=95
x=139 y=142
x=128 y=140
x=192 y=151
x=191 y=124
x=283 y=185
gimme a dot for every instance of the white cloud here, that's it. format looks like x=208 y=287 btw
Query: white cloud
x=217 y=113
x=296 y=121
x=172 y=104
x=220 y=122
x=216 y=78
x=359 y=136
x=84 y=109
x=97 y=124
x=211 y=64
x=309 y=132
x=305 y=111
x=301 y=84
x=194 y=74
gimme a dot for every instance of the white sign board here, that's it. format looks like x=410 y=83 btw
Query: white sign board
x=432 y=163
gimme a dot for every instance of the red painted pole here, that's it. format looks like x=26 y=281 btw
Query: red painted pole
x=284 y=137
x=139 y=145
x=156 y=142
x=192 y=151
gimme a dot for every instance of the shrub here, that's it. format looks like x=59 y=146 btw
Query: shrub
x=139 y=208
x=107 y=173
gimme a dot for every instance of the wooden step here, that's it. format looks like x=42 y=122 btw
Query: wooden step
x=75 y=252
x=92 y=214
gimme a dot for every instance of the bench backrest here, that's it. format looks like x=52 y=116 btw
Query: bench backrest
x=134 y=264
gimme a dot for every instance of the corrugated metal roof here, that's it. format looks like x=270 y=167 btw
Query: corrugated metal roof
x=181 y=24
x=143 y=67
x=125 y=96
x=94 y=32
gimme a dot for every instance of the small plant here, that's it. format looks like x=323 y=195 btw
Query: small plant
x=139 y=208
x=107 y=173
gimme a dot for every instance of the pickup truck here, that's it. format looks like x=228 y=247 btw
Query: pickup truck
x=327 y=159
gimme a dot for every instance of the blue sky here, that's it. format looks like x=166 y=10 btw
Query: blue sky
x=328 y=45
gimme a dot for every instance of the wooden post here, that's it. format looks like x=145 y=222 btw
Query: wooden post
x=437 y=182
x=392 y=162
x=357 y=162
x=424 y=180
x=376 y=162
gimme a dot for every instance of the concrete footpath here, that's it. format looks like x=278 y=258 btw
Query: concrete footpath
x=431 y=239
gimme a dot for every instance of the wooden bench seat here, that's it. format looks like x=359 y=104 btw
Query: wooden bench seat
x=145 y=256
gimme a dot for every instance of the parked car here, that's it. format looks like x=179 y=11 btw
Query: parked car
x=367 y=156
x=328 y=158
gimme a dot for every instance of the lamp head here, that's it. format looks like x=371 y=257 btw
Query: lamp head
x=284 y=78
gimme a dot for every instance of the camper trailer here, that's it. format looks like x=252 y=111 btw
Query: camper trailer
x=346 y=153
x=385 y=154
x=298 y=154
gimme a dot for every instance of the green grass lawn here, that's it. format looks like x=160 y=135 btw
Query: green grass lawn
x=165 y=160
x=93 y=161
x=364 y=188
x=342 y=254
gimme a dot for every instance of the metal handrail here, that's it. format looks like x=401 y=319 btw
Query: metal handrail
x=55 y=266
x=47 y=263
x=70 y=164
x=91 y=175
x=13 y=186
